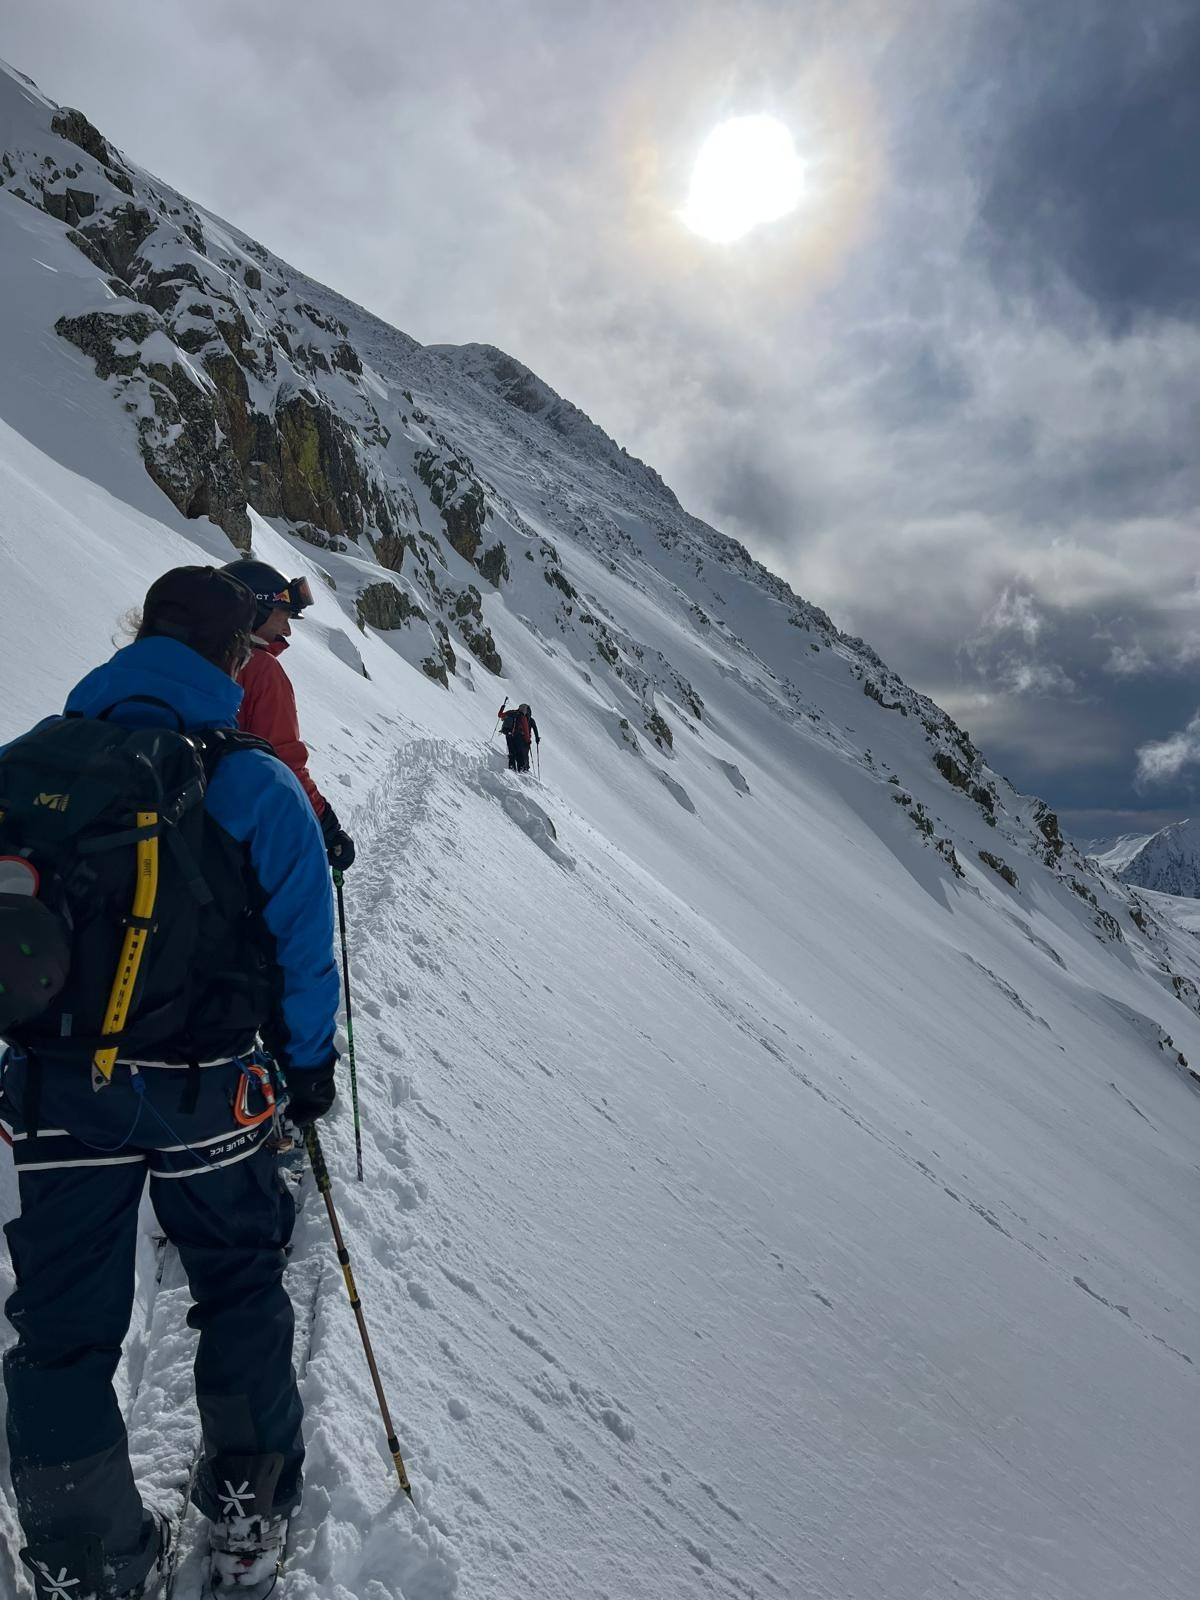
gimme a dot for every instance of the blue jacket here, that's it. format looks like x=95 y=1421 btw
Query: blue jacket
x=253 y=797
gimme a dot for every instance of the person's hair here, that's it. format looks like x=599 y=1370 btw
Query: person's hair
x=230 y=653
x=210 y=612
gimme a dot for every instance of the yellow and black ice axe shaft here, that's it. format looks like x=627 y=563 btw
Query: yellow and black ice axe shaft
x=137 y=934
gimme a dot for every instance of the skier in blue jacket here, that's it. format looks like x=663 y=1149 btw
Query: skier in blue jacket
x=185 y=1118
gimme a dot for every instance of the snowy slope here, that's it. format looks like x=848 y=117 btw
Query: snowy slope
x=765 y=1193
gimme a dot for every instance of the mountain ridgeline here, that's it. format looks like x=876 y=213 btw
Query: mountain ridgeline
x=459 y=481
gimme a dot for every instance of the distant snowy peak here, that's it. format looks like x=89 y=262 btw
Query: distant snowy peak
x=1168 y=861
x=514 y=383
x=1114 y=851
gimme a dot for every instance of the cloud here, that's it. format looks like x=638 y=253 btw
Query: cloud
x=1015 y=613
x=1167 y=759
x=952 y=398
x=1005 y=651
x=1092 y=186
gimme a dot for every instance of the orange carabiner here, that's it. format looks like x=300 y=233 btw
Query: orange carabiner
x=242 y=1115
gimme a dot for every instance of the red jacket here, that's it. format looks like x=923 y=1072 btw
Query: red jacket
x=269 y=710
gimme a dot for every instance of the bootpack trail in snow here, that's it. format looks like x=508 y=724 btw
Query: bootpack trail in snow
x=778 y=1139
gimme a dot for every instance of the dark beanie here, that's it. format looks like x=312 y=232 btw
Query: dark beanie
x=202 y=607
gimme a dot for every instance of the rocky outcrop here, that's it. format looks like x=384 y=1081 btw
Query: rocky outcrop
x=466 y=610
x=493 y=565
x=383 y=605
x=180 y=424
x=1001 y=868
x=186 y=454
x=458 y=495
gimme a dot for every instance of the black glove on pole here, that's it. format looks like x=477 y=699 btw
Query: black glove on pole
x=310 y=1094
x=339 y=846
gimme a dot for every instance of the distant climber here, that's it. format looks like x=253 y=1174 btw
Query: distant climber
x=519 y=730
x=269 y=701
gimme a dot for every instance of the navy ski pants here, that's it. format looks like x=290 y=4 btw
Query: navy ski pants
x=217 y=1195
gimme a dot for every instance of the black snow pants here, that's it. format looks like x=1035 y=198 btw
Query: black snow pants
x=218 y=1198
x=518 y=752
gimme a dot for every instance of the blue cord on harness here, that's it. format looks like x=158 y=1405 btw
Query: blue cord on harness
x=138 y=1084
x=14 y=1054
x=139 y=1088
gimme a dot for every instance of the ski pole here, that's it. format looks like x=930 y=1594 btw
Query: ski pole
x=539 y=760
x=341 y=905
x=316 y=1156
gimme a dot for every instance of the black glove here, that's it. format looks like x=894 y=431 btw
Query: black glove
x=310 y=1094
x=339 y=846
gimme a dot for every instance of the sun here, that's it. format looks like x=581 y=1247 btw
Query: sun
x=747 y=173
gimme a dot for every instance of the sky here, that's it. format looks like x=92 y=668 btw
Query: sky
x=954 y=397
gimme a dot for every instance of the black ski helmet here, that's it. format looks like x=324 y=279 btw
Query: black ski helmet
x=201 y=607
x=270 y=588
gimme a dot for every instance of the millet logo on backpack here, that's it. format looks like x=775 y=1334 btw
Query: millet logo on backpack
x=54 y=802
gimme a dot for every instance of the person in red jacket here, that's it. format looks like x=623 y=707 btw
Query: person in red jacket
x=268 y=699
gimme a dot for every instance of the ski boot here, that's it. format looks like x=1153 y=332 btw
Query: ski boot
x=75 y=1569
x=246 y=1542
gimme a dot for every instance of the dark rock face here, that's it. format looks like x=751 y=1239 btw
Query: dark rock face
x=659 y=729
x=1000 y=867
x=187 y=456
x=1047 y=825
x=183 y=443
x=318 y=537
x=118 y=236
x=458 y=495
x=389 y=550
x=100 y=333
x=320 y=477
x=493 y=565
x=444 y=662
x=467 y=612
x=382 y=605
x=73 y=126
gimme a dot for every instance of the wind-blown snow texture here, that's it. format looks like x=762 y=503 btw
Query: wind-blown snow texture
x=780 y=1147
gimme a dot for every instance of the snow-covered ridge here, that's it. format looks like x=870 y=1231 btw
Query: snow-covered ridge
x=779 y=1141
x=1114 y=853
x=1168 y=860
x=518 y=386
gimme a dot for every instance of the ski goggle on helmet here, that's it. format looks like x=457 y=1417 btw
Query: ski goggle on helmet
x=271 y=589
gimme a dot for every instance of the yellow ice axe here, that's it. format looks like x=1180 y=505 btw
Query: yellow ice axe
x=145 y=893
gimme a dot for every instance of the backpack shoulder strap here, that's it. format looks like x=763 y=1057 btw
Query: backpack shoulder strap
x=215 y=744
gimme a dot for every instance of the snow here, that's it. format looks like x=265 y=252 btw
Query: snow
x=1168 y=861
x=1115 y=853
x=752 y=1206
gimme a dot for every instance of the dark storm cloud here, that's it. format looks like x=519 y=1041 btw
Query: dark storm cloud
x=955 y=399
x=1095 y=174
